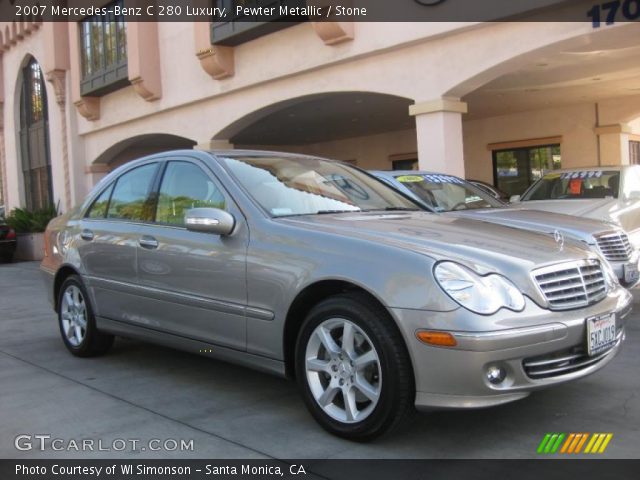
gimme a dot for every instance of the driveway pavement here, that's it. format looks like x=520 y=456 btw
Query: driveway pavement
x=142 y=392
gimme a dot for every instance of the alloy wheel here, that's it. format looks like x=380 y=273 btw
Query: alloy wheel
x=343 y=370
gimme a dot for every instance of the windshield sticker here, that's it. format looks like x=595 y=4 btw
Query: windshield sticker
x=443 y=179
x=410 y=179
x=582 y=174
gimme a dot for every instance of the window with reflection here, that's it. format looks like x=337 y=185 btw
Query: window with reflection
x=185 y=186
x=130 y=199
x=101 y=204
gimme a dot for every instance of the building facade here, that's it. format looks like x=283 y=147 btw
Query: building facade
x=498 y=102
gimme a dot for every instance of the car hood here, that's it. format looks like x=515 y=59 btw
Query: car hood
x=597 y=208
x=584 y=229
x=481 y=245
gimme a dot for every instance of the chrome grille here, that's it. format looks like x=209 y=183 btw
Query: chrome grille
x=571 y=285
x=615 y=246
x=564 y=362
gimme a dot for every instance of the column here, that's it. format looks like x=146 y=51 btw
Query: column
x=439 y=132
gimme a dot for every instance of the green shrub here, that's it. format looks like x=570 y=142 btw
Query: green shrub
x=26 y=221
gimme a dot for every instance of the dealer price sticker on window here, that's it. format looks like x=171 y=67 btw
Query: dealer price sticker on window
x=601 y=333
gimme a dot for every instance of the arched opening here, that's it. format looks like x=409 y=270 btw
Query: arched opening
x=567 y=104
x=140 y=146
x=35 y=154
x=364 y=128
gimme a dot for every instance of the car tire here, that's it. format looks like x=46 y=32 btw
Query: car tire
x=77 y=322
x=353 y=368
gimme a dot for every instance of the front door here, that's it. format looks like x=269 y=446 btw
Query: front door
x=193 y=284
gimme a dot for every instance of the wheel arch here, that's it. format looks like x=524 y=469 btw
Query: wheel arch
x=62 y=274
x=308 y=298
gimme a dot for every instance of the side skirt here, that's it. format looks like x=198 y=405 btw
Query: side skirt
x=256 y=362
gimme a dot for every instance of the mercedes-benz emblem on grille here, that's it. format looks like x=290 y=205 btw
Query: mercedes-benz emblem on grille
x=559 y=238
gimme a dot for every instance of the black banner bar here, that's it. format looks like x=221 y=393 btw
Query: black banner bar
x=597 y=12
x=140 y=469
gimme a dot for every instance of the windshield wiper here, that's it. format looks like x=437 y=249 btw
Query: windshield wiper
x=329 y=212
x=392 y=209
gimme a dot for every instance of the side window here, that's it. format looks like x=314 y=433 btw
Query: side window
x=99 y=207
x=184 y=186
x=129 y=200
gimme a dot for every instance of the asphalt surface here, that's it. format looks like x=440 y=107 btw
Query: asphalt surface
x=142 y=392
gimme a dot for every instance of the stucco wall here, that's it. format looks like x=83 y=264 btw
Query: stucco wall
x=574 y=123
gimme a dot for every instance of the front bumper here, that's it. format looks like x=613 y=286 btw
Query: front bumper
x=456 y=377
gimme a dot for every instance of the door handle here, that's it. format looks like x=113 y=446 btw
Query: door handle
x=148 y=242
x=86 y=234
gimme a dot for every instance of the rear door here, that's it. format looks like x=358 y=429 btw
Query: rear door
x=193 y=284
x=108 y=241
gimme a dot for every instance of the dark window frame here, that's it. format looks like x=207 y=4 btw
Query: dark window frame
x=97 y=76
x=494 y=159
x=634 y=152
x=240 y=29
x=34 y=138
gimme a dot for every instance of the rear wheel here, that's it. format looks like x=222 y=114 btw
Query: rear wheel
x=353 y=368
x=77 y=322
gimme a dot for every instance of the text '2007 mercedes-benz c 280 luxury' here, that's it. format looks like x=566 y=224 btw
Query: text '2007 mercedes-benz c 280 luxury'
x=315 y=270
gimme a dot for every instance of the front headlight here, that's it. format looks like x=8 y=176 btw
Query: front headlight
x=485 y=295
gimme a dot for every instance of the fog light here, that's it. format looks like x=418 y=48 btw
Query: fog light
x=496 y=375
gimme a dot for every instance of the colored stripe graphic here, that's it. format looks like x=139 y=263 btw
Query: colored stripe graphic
x=572 y=443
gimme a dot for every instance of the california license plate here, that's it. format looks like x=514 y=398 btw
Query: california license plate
x=631 y=273
x=601 y=333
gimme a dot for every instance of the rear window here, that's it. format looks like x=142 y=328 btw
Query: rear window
x=576 y=185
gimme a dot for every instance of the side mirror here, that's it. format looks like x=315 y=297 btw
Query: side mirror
x=514 y=199
x=209 y=220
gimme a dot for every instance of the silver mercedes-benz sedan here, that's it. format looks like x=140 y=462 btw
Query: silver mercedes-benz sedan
x=453 y=196
x=610 y=193
x=315 y=270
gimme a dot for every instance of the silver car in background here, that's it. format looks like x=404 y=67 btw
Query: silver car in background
x=315 y=270
x=610 y=194
x=451 y=195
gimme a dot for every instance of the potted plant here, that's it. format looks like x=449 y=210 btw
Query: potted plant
x=30 y=226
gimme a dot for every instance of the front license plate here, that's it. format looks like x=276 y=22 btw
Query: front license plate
x=601 y=333
x=631 y=273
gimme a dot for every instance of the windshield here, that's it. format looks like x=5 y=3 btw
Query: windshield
x=445 y=193
x=287 y=186
x=575 y=185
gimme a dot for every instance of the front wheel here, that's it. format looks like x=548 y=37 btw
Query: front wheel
x=353 y=368
x=77 y=322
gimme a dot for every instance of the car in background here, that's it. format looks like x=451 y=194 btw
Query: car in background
x=610 y=194
x=8 y=242
x=313 y=269
x=453 y=196
x=490 y=189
